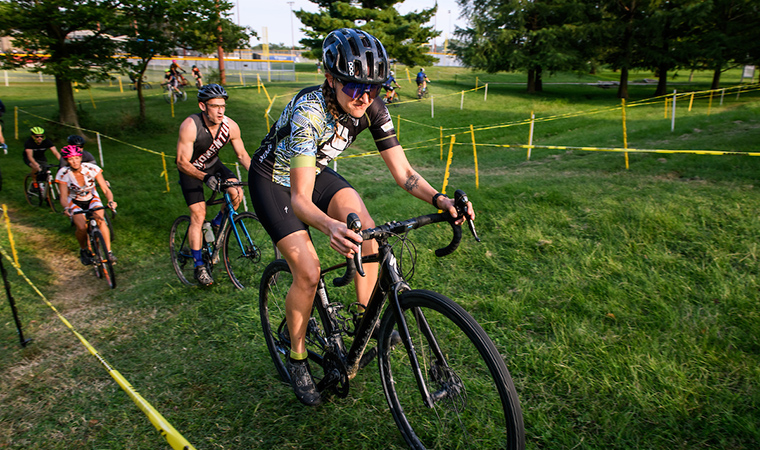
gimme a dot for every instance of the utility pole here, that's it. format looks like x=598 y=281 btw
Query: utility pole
x=219 y=50
x=292 y=33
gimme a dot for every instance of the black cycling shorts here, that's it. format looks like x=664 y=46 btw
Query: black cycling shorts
x=271 y=201
x=192 y=188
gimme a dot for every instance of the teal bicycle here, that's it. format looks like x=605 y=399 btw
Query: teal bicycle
x=240 y=242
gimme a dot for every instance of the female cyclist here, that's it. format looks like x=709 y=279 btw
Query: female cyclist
x=295 y=189
x=77 y=182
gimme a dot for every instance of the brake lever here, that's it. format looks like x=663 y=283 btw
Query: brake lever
x=461 y=200
x=354 y=224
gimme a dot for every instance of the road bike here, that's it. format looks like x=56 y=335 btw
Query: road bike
x=446 y=384
x=45 y=192
x=101 y=262
x=174 y=95
x=244 y=245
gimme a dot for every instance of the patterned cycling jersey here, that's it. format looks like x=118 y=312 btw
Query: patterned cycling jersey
x=76 y=192
x=306 y=128
x=206 y=147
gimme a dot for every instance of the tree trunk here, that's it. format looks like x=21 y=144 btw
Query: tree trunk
x=531 y=81
x=716 y=79
x=662 y=81
x=623 y=88
x=539 y=81
x=67 y=110
x=140 y=96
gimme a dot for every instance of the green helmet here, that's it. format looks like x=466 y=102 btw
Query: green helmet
x=37 y=130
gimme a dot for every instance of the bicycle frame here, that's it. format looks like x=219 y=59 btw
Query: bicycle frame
x=390 y=284
x=228 y=220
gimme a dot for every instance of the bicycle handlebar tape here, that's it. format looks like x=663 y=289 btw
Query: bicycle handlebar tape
x=355 y=225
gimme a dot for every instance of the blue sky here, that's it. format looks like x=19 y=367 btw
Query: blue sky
x=276 y=17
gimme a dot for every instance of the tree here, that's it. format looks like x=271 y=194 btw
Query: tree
x=728 y=36
x=526 y=35
x=68 y=39
x=159 y=27
x=403 y=36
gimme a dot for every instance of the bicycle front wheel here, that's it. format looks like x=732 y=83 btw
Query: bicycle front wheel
x=51 y=196
x=247 y=250
x=168 y=97
x=102 y=263
x=275 y=284
x=474 y=403
x=179 y=247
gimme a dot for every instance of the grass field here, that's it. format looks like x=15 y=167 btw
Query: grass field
x=624 y=301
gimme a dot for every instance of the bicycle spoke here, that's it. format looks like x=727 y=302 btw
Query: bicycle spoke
x=248 y=249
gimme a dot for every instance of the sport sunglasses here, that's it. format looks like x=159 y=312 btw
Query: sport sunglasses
x=355 y=90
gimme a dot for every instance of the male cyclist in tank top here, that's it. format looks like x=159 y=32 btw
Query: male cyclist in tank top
x=295 y=189
x=201 y=136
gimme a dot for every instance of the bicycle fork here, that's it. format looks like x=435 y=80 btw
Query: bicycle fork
x=406 y=338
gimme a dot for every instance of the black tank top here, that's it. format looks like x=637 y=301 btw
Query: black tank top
x=206 y=147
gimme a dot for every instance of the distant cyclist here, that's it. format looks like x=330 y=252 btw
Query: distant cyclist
x=78 y=140
x=170 y=80
x=198 y=77
x=177 y=71
x=201 y=136
x=78 y=183
x=390 y=91
x=35 y=149
x=422 y=81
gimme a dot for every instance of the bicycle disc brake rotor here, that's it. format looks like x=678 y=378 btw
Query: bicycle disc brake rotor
x=452 y=391
x=336 y=376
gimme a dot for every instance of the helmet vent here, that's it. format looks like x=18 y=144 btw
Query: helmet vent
x=370 y=65
x=354 y=47
x=365 y=41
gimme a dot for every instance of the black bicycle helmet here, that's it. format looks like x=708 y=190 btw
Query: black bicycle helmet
x=210 y=91
x=355 y=56
x=75 y=139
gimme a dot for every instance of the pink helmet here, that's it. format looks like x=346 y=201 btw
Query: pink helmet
x=70 y=151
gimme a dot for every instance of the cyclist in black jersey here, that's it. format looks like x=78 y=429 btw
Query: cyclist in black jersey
x=295 y=189
x=201 y=136
x=35 y=149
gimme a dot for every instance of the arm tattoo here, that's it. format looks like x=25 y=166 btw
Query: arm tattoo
x=412 y=182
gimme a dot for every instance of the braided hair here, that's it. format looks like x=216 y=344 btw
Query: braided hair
x=331 y=99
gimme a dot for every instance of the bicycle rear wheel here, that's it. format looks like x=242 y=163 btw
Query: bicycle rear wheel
x=179 y=247
x=475 y=403
x=275 y=284
x=247 y=250
x=31 y=193
x=102 y=263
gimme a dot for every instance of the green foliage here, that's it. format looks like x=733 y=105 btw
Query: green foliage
x=402 y=35
x=561 y=35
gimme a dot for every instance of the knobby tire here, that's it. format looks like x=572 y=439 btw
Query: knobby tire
x=478 y=406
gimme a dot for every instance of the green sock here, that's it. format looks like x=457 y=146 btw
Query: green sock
x=298 y=356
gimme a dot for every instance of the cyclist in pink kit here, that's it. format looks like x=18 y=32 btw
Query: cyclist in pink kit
x=78 y=183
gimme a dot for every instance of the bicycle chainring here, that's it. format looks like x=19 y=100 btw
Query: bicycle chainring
x=336 y=376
